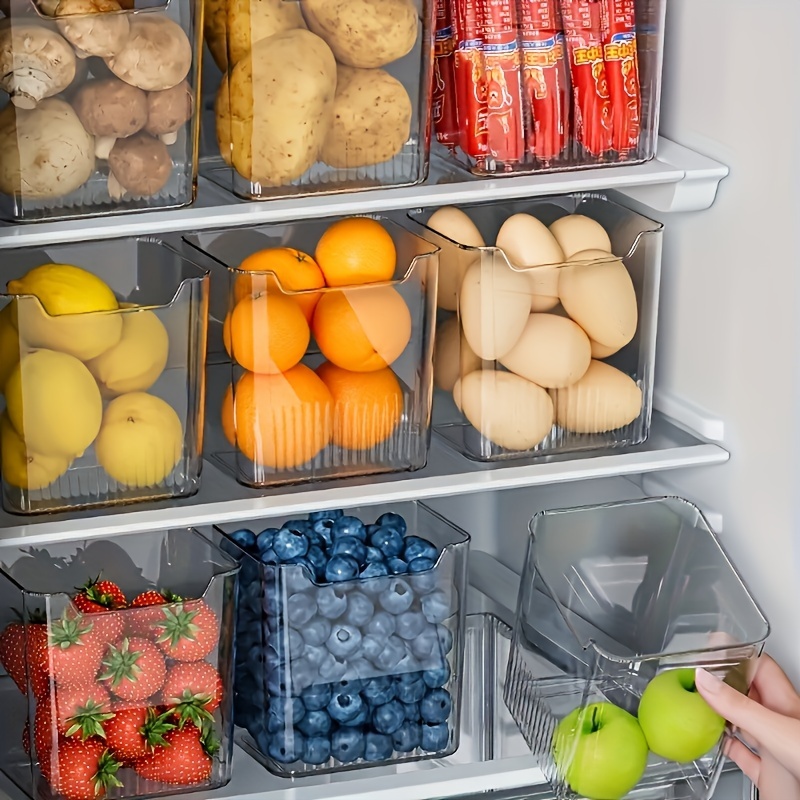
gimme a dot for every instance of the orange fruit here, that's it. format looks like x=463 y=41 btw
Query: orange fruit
x=293 y=271
x=226 y=335
x=363 y=329
x=356 y=250
x=367 y=406
x=226 y=413
x=284 y=420
x=268 y=333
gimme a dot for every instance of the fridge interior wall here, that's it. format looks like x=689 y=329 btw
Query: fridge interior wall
x=729 y=331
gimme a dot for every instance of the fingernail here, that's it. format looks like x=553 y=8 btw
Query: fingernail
x=704 y=679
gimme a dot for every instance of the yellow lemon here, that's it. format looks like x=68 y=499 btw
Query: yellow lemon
x=22 y=467
x=65 y=289
x=53 y=403
x=140 y=441
x=9 y=344
x=137 y=360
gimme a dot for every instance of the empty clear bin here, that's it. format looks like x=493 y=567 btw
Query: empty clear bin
x=627 y=599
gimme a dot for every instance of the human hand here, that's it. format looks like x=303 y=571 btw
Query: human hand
x=769 y=718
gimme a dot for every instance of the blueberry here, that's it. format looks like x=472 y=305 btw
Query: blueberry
x=315 y=723
x=391 y=655
x=378 y=747
x=284 y=712
x=317 y=750
x=303 y=674
x=316 y=631
x=317 y=558
x=421 y=564
x=388 y=717
x=331 y=601
x=359 y=609
x=397 y=566
x=435 y=738
x=373 y=555
x=345 y=705
x=375 y=569
x=290 y=544
x=245 y=538
x=410 y=624
x=407 y=737
x=256 y=658
x=268 y=556
x=265 y=539
x=372 y=646
x=347 y=745
x=349 y=685
x=323 y=516
x=286 y=746
x=436 y=678
x=289 y=640
x=435 y=706
x=296 y=525
x=341 y=568
x=417 y=547
x=378 y=690
x=412 y=711
x=426 y=647
x=411 y=690
x=350 y=546
x=278 y=683
x=300 y=608
x=390 y=518
x=381 y=624
x=407 y=664
x=315 y=654
x=388 y=540
x=316 y=697
x=436 y=606
x=322 y=529
x=299 y=580
x=397 y=597
x=360 y=719
x=349 y=526
x=344 y=640
x=332 y=668
x=445 y=638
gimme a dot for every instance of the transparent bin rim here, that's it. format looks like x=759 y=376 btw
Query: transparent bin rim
x=431 y=249
x=155 y=6
x=591 y=644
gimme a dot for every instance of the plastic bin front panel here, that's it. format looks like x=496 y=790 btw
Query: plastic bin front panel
x=295 y=661
x=379 y=420
x=37 y=585
x=607 y=402
x=309 y=96
x=100 y=111
x=105 y=407
x=548 y=86
x=617 y=597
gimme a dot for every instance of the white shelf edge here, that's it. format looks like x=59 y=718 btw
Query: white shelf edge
x=678 y=179
x=690 y=415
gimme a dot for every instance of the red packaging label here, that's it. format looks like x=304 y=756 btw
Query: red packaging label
x=445 y=118
x=622 y=69
x=584 y=30
x=545 y=78
x=470 y=74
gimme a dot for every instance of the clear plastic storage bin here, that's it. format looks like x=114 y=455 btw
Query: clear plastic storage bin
x=84 y=672
x=318 y=95
x=546 y=339
x=341 y=670
x=627 y=599
x=100 y=106
x=102 y=351
x=331 y=381
x=548 y=85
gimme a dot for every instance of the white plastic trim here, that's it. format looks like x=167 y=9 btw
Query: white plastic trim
x=690 y=415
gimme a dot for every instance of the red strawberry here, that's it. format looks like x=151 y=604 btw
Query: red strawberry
x=101 y=600
x=84 y=770
x=192 y=691
x=44 y=735
x=187 y=759
x=74 y=651
x=21 y=645
x=83 y=712
x=187 y=631
x=136 y=731
x=140 y=622
x=134 y=669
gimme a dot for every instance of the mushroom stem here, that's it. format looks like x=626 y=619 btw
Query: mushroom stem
x=115 y=189
x=103 y=145
x=169 y=138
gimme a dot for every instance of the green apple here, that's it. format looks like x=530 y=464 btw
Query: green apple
x=600 y=751
x=677 y=723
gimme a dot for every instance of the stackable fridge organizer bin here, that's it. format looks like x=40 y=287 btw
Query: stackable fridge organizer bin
x=172 y=290
x=406 y=447
x=520 y=133
x=634 y=238
x=142 y=128
x=614 y=595
x=272 y=686
x=39 y=583
x=398 y=92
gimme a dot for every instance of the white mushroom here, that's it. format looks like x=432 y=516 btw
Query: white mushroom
x=139 y=165
x=110 y=109
x=157 y=55
x=44 y=152
x=168 y=110
x=95 y=27
x=35 y=62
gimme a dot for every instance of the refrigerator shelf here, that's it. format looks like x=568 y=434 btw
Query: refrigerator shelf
x=221 y=499
x=678 y=179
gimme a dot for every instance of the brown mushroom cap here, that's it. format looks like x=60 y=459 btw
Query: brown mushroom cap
x=169 y=109
x=111 y=107
x=141 y=164
x=92 y=26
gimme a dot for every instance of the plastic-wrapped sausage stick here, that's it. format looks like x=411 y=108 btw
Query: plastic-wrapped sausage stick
x=445 y=116
x=470 y=74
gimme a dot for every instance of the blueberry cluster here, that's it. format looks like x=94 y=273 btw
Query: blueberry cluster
x=344 y=657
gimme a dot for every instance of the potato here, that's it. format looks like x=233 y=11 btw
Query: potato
x=371 y=119
x=364 y=33
x=233 y=26
x=281 y=107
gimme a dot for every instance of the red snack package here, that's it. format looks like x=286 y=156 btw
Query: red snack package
x=445 y=118
x=502 y=60
x=470 y=75
x=584 y=31
x=622 y=70
x=545 y=78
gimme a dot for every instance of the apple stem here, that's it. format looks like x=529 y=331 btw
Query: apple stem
x=595 y=726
